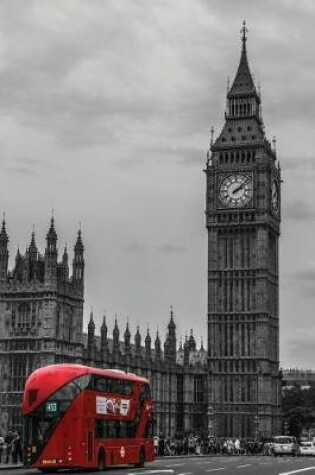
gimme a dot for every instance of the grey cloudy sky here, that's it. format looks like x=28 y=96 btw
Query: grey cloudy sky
x=105 y=111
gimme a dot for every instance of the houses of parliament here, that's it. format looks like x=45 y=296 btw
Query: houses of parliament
x=232 y=388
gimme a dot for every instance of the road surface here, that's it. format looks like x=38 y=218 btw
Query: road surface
x=212 y=465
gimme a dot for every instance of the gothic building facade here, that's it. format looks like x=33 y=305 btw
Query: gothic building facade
x=243 y=222
x=41 y=315
x=233 y=389
x=41 y=323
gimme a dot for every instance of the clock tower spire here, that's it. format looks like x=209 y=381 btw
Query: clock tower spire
x=243 y=222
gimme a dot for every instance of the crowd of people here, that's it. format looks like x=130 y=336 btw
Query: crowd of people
x=11 y=448
x=202 y=445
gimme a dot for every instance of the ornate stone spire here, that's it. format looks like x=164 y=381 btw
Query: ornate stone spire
x=243 y=83
x=51 y=236
x=91 y=337
x=157 y=345
x=148 y=344
x=32 y=247
x=116 y=345
x=3 y=234
x=4 y=254
x=243 y=119
x=104 y=341
x=127 y=337
x=138 y=341
x=192 y=341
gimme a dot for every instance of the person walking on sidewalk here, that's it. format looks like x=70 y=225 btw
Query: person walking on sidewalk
x=1 y=447
x=17 y=455
x=8 y=441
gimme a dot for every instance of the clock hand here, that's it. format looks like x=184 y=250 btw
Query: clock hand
x=239 y=187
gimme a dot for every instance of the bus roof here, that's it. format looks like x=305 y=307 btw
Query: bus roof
x=48 y=379
x=74 y=370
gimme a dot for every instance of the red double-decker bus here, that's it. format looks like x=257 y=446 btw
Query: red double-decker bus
x=81 y=417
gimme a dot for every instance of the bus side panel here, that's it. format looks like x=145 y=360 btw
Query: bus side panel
x=149 y=450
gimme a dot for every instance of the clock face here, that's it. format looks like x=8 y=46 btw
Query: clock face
x=274 y=195
x=236 y=190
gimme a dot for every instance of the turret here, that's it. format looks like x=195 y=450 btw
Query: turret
x=192 y=341
x=32 y=255
x=51 y=255
x=170 y=342
x=186 y=352
x=127 y=338
x=65 y=265
x=91 y=338
x=78 y=262
x=147 y=343
x=19 y=266
x=138 y=342
x=104 y=340
x=4 y=253
x=116 y=345
x=157 y=346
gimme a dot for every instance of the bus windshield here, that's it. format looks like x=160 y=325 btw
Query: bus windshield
x=40 y=424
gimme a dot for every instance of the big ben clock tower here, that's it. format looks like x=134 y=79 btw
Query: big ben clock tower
x=243 y=222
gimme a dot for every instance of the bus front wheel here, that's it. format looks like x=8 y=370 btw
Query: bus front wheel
x=141 y=462
x=101 y=461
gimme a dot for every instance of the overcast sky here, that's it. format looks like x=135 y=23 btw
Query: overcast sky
x=105 y=112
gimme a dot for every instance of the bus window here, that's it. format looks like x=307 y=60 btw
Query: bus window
x=145 y=392
x=112 y=385
x=42 y=422
x=114 y=429
x=128 y=388
x=100 y=384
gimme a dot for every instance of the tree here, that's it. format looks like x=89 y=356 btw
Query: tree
x=298 y=407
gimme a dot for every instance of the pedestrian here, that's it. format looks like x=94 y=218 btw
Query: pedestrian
x=237 y=446
x=1 y=446
x=156 y=444
x=8 y=441
x=191 y=445
x=17 y=455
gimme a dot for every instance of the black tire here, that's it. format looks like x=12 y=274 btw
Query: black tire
x=101 y=461
x=141 y=462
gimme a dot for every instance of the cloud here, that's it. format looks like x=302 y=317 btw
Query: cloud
x=21 y=165
x=294 y=163
x=306 y=275
x=301 y=283
x=299 y=349
x=136 y=247
x=171 y=248
x=298 y=210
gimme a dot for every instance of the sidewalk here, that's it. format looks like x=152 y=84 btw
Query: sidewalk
x=10 y=466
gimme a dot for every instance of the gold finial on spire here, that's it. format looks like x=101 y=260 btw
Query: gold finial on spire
x=244 y=32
